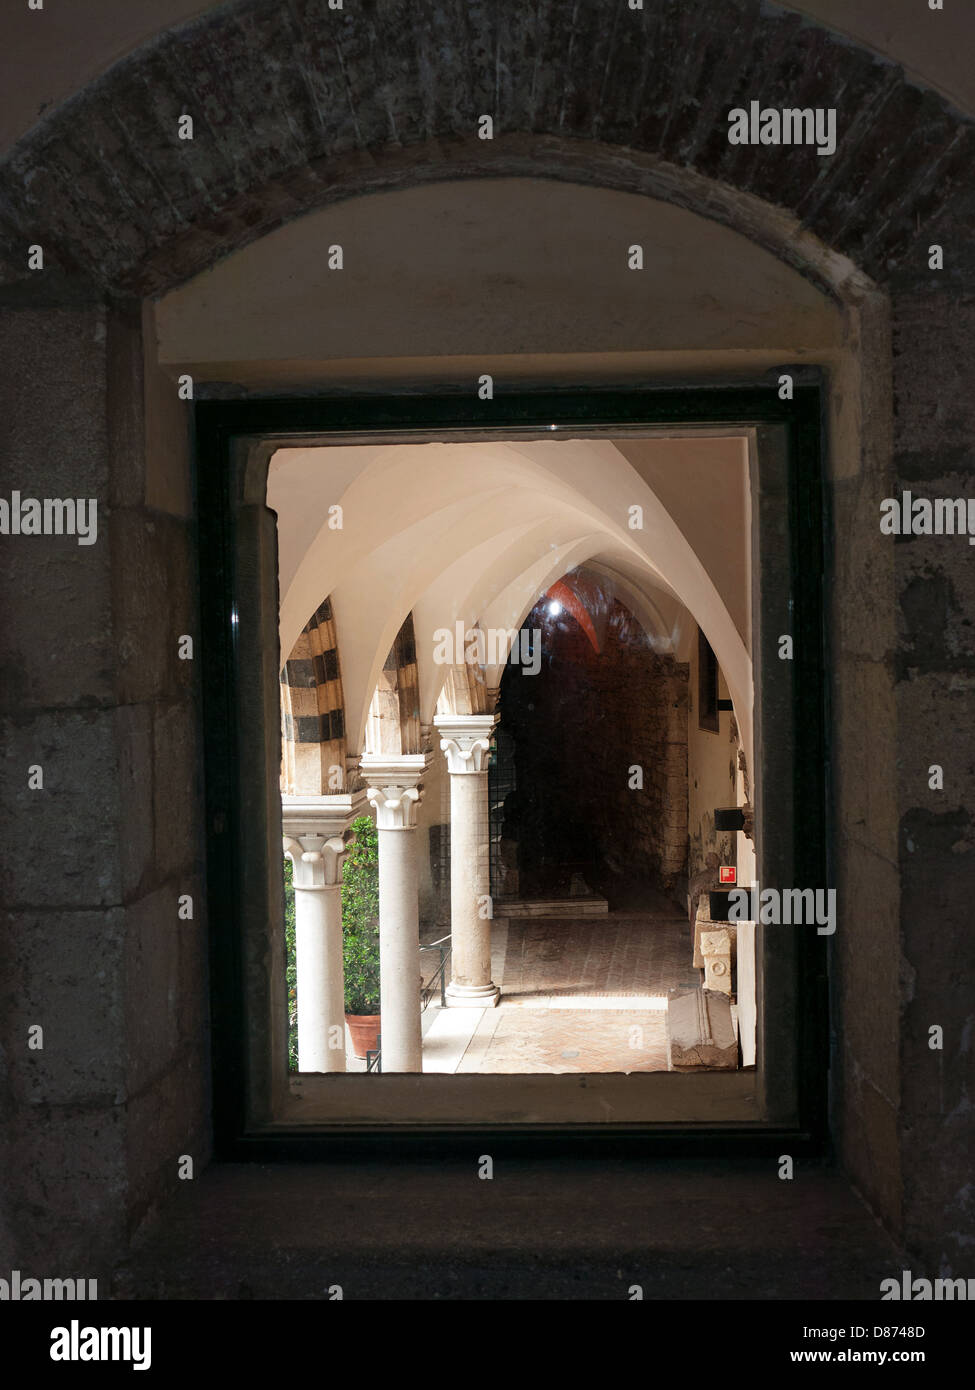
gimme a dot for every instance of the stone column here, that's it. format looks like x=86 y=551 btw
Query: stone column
x=466 y=741
x=393 y=789
x=314 y=841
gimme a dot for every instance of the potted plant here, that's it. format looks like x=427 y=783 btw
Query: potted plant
x=360 y=936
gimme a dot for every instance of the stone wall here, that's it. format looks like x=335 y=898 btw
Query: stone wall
x=96 y=859
x=934 y=671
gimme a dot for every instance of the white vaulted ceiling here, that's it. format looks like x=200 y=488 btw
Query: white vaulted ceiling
x=477 y=532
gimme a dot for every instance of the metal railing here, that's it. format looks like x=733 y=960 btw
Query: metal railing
x=440 y=973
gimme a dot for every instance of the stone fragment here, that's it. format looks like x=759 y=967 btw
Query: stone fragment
x=701 y=1032
x=716 y=954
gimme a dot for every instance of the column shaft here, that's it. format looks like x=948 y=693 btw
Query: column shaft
x=399 y=951
x=470 y=924
x=394 y=783
x=321 y=1006
x=466 y=742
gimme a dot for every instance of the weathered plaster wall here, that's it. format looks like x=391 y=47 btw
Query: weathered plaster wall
x=447 y=270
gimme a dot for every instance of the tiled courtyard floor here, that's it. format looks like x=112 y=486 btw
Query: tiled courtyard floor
x=577 y=995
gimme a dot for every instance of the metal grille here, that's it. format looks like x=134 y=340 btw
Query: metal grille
x=501 y=781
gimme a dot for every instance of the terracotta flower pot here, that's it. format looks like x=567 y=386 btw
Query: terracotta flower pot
x=365 y=1032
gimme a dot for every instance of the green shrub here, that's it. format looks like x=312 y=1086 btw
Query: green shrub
x=292 y=972
x=360 y=919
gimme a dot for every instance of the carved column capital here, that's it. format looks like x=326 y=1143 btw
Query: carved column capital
x=314 y=831
x=395 y=807
x=317 y=861
x=394 y=787
x=466 y=740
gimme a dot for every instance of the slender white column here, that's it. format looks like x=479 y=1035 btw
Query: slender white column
x=466 y=741
x=314 y=840
x=393 y=789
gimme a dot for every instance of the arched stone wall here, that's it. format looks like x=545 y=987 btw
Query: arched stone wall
x=294 y=109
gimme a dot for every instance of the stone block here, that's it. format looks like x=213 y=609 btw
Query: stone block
x=868 y=1140
x=154 y=605
x=716 y=953
x=932 y=338
x=52 y=400
x=702 y=924
x=864 y=620
x=128 y=404
x=63 y=971
x=177 y=789
x=136 y=779
x=866 y=963
x=193 y=990
x=70 y=1184
x=935 y=590
x=56 y=636
x=701 y=1032
x=168 y=1119
x=939 y=1203
x=940 y=702
x=72 y=822
x=866 y=754
x=152 y=981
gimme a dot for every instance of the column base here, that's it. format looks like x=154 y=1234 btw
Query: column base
x=472 y=996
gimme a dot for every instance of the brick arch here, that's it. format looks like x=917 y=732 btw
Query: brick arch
x=298 y=105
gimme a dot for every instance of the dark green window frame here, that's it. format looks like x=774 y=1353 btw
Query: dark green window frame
x=791 y=442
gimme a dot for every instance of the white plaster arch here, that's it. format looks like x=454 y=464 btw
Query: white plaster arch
x=478 y=531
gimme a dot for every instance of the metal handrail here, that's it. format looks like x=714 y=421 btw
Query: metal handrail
x=440 y=971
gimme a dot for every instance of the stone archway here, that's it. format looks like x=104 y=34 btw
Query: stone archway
x=121 y=210
x=293 y=109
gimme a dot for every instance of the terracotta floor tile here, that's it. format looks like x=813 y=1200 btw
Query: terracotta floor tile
x=548 y=962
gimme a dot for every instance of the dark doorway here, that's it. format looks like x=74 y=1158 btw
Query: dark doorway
x=594 y=801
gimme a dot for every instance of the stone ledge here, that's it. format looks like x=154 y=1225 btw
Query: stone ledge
x=422 y=1231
